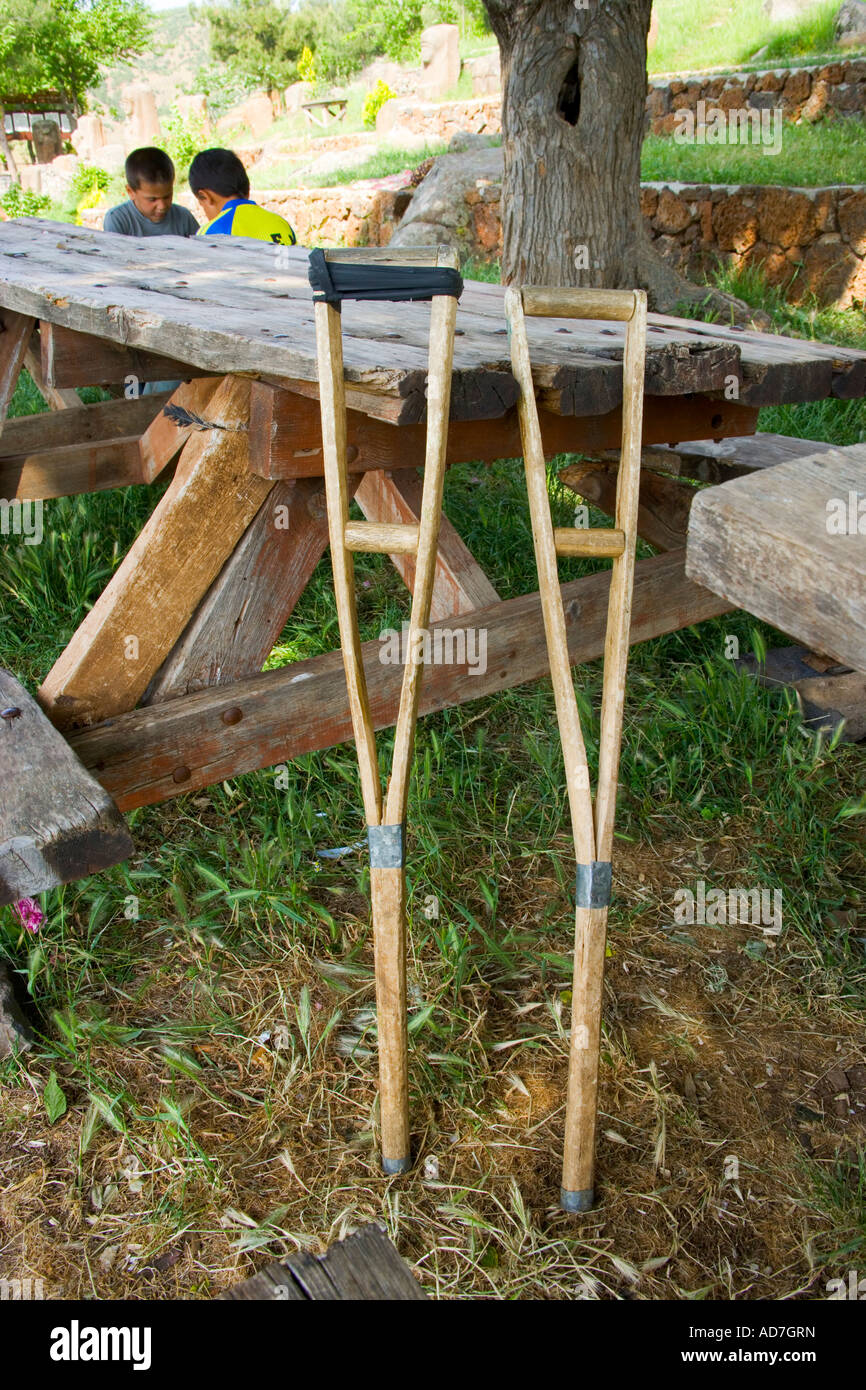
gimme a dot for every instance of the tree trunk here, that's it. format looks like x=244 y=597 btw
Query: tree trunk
x=574 y=87
x=11 y=166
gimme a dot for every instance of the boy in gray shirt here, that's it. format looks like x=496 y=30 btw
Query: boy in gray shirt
x=150 y=210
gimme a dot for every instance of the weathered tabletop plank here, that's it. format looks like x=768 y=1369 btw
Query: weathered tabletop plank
x=229 y=304
x=56 y=822
x=789 y=545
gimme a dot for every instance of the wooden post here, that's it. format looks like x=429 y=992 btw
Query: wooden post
x=16 y=331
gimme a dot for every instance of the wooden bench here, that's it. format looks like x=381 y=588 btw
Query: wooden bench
x=56 y=822
x=364 y=1266
x=789 y=545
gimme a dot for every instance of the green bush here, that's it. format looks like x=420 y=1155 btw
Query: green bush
x=23 y=202
x=88 y=180
x=374 y=102
x=306 y=66
x=183 y=137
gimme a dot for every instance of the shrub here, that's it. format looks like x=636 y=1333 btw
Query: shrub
x=183 y=137
x=89 y=179
x=306 y=66
x=374 y=102
x=23 y=202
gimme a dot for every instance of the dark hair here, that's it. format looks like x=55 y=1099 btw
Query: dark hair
x=220 y=171
x=148 y=165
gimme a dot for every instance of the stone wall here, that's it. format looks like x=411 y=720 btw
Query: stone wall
x=802 y=93
x=806 y=241
x=440 y=120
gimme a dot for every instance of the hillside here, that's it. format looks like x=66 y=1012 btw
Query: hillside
x=181 y=45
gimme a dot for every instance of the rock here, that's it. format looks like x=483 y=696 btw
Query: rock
x=652 y=37
x=88 y=138
x=786 y=218
x=818 y=102
x=852 y=221
x=780 y=11
x=466 y=140
x=735 y=223
x=440 y=60
x=296 y=95
x=797 y=88
x=847 y=97
x=47 y=140
x=672 y=214
x=733 y=97
x=485 y=71
x=255 y=115
x=851 y=23
x=649 y=201
x=775 y=265
x=828 y=273
x=15 y=1032
x=440 y=212
x=142 y=120
x=658 y=102
x=194 y=108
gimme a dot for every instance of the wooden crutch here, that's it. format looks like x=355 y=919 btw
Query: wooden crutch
x=592 y=827
x=422 y=273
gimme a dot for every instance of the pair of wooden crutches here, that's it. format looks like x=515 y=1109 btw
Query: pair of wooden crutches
x=386 y=814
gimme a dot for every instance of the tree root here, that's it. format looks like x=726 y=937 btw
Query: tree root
x=669 y=293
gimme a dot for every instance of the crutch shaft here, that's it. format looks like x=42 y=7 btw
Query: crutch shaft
x=387 y=892
x=590 y=935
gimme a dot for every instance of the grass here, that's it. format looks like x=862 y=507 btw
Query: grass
x=732 y=35
x=381 y=164
x=832 y=151
x=206 y=1008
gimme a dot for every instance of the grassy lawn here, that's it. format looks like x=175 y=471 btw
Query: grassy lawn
x=216 y=1050
x=810 y=156
x=717 y=33
x=386 y=161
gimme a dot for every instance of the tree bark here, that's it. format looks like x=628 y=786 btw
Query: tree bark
x=574 y=86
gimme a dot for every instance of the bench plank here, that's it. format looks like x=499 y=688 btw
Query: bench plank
x=56 y=822
x=768 y=543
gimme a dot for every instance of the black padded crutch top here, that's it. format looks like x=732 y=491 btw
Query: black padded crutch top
x=334 y=281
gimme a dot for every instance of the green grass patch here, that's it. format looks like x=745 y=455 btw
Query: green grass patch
x=734 y=36
x=831 y=151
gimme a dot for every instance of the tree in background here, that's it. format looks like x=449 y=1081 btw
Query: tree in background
x=574 y=88
x=58 y=45
x=262 y=42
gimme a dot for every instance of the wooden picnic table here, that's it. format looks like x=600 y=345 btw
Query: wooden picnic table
x=209 y=584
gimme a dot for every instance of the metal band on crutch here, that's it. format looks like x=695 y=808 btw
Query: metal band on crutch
x=592 y=827
x=427 y=273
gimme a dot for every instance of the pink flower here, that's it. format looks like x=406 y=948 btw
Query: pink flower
x=30 y=913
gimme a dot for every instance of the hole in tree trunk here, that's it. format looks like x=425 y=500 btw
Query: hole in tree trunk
x=568 y=101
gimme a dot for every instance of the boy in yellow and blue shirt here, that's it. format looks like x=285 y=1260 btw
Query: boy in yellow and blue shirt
x=219 y=181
